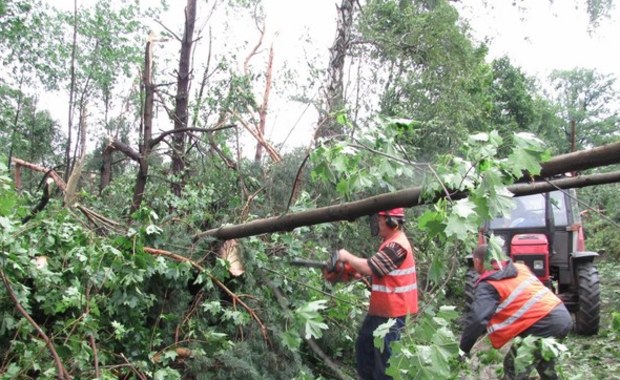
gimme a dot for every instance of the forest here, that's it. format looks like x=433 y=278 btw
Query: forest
x=150 y=233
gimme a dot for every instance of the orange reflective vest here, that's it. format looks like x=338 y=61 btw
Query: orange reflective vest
x=524 y=300
x=396 y=293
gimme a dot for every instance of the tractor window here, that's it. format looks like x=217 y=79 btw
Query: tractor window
x=558 y=203
x=529 y=211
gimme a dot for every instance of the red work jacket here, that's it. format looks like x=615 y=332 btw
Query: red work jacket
x=524 y=300
x=396 y=293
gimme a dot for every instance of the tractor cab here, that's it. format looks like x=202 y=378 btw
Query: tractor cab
x=544 y=232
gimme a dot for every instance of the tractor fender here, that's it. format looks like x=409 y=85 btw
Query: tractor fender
x=583 y=256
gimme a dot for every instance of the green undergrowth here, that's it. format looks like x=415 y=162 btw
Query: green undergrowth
x=596 y=357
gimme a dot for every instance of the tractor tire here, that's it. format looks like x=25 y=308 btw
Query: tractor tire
x=470 y=288
x=588 y=314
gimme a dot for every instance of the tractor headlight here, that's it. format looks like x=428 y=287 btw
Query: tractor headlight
x=539 y=265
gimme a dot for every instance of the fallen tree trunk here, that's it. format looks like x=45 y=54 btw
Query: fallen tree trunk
x=577 y=161
x=603 y=155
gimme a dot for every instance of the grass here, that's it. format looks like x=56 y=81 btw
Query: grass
x=598 y=357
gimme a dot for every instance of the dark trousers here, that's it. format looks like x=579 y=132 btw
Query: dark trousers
x=371 y=361
x=557 y=324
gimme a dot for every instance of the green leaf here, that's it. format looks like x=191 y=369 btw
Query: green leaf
x=381 y=331
x=310 y=319
x=437 y=269
x=152 y=229
x=291 y=340
x=460 y=228
x=170 y=354
x=431 y=222
x=7 y=203
x=314 y=329
x=526 y=155
x=464 y=208
x=119 y=330
x=12 y=371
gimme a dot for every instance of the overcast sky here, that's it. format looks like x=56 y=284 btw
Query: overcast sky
x=548 y=35
x=540 y=37
x=545 y=36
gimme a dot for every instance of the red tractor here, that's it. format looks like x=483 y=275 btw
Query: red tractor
x=544 y=232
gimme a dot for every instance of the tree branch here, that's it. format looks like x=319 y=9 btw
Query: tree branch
x=235 y=297
x=62 y=372
x=125 y=149
x=159 y=138
x=52 y=173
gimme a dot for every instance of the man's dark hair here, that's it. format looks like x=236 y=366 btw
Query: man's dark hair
x=481 y=252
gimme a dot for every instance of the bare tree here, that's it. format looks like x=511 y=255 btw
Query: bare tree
x=182 y=99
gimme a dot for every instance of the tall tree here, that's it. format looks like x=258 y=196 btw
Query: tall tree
x=516 y=104
x=425 y=68
x=334 y=82
x=587 y=104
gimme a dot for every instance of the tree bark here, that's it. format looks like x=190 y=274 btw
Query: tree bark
x=50 y=172
x=334 y=92
x=182 y=97
x=262 y=112
x=147 y=129
x=582 y=160
x=106 y=168
x=601 y=156
x=71 y=95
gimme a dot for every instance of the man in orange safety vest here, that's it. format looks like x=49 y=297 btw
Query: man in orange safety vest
x=511 y=301
x=393 y=290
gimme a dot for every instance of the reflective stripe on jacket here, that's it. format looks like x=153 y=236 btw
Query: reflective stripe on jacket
x=396 y=293
x=524 y=300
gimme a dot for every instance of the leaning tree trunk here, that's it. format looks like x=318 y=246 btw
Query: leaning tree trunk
x=180 y=110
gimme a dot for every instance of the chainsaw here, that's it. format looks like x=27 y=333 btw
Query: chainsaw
x=334 y=270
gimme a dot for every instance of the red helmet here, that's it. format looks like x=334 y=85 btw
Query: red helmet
x=398 y=212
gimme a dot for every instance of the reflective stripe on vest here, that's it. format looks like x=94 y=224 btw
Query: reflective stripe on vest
x=399 y=289
x=515 y=293
x=524 y=300
x=402 y=272
x=524 y=309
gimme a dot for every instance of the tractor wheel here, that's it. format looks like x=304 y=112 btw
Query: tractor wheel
x=588 y=315
x=470 y=283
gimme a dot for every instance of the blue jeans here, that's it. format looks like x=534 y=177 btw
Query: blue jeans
x=371 y=361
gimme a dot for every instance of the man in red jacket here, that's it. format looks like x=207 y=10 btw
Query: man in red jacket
x=393 y=294
x=511 y=301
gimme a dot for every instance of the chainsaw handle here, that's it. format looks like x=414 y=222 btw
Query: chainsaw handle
x=332 y=262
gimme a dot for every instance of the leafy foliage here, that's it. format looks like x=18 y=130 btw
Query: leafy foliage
x=427 y=68
x=107 y=303
x=586 y=99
